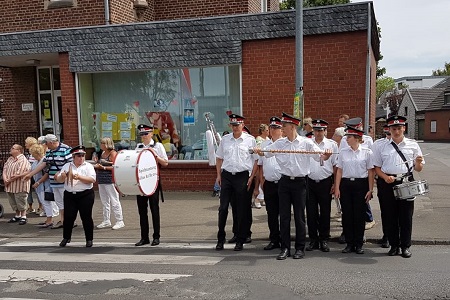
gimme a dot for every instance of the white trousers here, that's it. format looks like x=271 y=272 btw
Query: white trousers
x=59 y=197
x=110 y=199
x=47 y=205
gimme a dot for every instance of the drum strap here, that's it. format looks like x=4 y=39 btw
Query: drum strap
x=409 y=173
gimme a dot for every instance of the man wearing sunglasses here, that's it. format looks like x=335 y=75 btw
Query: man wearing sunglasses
x=158 y=150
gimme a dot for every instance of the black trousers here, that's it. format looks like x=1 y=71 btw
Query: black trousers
x=273 y=210
x=383 y=208
x=318 y=209
x=292 y=192
x=233 y=190
x=354 y=206
x=250 y=213
x=142 y=203
x=399 y=214
x=80 y=202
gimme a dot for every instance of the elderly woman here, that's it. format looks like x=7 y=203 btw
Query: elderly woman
x=41 y=184
x=17 y=190
x=30 y=141
x=107 y=191
x=354 y=187
x=78 y=177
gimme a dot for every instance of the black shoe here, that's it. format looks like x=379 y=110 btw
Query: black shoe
x=88 y=244
x=406 y=253
x=155 y=242
x=324 y=246
x=64 y=242
x=23 y=221
x=272 y=246
x=394 y=251
x=348 y=249
x=285 y=253
x=298 y=254
x=248 y=240
x=342 y=239
x=384 y=242
x=214 y=193
x=219 y=245
x=14 y=220
x=142 y=242
x=232 y=240
x=359 y=250
x=238 y=247
x=312 y=245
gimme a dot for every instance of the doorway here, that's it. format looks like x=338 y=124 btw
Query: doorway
x=49 y=94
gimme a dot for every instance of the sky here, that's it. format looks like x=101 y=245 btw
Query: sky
x=415 y=35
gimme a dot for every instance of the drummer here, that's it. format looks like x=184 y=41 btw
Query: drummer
x=146 y=134
x=394 y=163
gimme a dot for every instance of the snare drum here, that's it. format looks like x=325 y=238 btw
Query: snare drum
x=409 y=190
x=135 y=172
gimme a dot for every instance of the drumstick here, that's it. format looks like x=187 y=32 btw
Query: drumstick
x=404 y=162
x=290 y=151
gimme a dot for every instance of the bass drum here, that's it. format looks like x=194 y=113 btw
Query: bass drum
x=136 y=172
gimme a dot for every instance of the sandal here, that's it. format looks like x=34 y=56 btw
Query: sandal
x=14 y=220
x=46 y=225
x=57 y=225
x=23 y=221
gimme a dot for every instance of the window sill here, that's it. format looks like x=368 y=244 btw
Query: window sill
x=55 y=4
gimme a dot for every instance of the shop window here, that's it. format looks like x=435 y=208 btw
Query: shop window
x=175 y=101
x=53 y=4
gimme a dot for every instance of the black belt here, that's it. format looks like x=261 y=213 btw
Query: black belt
x=235 y=173
x=78 y=193
x=354 y=179
x=274 y=182
x=293 y=177
x=319 y=181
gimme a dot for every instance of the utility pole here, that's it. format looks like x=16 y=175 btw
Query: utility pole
x=299 y=105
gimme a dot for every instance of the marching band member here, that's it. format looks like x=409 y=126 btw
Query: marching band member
x=158 y=150
x=270 y=173
x=320 y=189
x=292 y=186
x=236 y=169
x=394 y=164
x=78 y=177
x=376 y=145
x=354 y=187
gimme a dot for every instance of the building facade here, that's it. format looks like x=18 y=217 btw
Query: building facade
x=84 y=81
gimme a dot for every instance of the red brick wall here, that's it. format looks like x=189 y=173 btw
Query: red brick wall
x=31 y=15
x=69 y=102
x=188 y=177
x=185 y=9
x=442 y=119
x=334 y=81
x=18 y=86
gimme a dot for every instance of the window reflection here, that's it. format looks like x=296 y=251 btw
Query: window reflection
x=175 y=101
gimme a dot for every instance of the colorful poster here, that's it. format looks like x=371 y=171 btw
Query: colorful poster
x=189 y=118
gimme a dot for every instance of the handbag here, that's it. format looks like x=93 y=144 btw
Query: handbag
x=48 y=195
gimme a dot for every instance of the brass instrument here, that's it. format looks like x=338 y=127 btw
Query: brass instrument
x=212 y=139
x=212 y=128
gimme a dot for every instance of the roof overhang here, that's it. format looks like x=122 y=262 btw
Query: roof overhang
x=29 y=60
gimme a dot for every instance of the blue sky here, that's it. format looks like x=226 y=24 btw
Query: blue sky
x=415 y=35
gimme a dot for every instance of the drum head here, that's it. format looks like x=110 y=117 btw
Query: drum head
x=147 y=172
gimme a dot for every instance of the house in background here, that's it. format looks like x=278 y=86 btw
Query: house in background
x=413 y=82
x=437 y=116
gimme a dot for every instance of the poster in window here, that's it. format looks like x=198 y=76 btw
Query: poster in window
x=107 y=126
x=188 y=117
x=106 y=133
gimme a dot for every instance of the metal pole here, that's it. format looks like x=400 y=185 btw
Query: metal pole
x=369 y=50
x=298 y=99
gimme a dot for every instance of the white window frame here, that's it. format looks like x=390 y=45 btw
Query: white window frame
x=433 y=126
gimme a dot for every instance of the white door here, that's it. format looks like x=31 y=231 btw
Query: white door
x=49 y=93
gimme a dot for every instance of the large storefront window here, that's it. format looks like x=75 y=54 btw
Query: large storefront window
x=175 y=101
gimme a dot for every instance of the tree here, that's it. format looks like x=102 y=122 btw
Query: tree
x=290 y=4
x=443 y=72
x=384 y=84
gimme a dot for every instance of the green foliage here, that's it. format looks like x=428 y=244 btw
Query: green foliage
x=443 y=72
x=290 y=4
x=384 y=84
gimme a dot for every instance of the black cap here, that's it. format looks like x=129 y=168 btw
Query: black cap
x=319 y=124
x=236 y=119
x=353 y=131
x=396 y=120
x=309 y=134
x=290 y=119
x=275 y=122
x=354 y=122
x=78 y=149
x=143 y=128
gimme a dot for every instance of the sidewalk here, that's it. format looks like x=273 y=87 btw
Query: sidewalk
x=192 y=217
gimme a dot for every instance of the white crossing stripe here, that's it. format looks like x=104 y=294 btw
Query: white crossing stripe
x=60 y=277
x=123 y=245
x=111 y=258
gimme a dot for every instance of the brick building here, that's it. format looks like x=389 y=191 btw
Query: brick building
x=63 y=71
